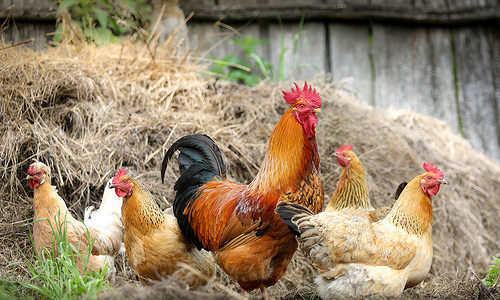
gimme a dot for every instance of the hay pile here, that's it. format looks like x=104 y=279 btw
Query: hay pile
x=86 y=111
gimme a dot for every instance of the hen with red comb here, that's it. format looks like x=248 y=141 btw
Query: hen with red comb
x=429 y=167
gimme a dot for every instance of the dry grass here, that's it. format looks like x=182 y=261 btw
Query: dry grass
x=86 y=111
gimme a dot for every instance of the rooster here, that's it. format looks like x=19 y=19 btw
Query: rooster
x=351 y=195
x=51 y=212
x=356 y=257
x=236 y=221
x=154 y=243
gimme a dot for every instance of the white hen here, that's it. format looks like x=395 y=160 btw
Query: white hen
x=107 y=220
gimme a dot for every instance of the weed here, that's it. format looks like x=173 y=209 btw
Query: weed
x=492 y=277
x=104 y=21
x=230 y=66
x=233 y=68
x=282 y=74
x=55 y=274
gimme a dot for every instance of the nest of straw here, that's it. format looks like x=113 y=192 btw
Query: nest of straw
x=86 y=111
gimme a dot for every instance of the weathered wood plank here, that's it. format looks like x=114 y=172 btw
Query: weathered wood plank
x=22 y=31
x=401 y=11
x=31 y=9
x=418 y=11
x=443 y=103
x=310 y=56
x=416 y=74
x=349 y=48
x=394 y=65
x=216 y=41
x=478 y=99
x=494 y=42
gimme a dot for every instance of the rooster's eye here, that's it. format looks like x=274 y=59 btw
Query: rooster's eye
x=344 y=154
x=429 y=177
x=125 y=181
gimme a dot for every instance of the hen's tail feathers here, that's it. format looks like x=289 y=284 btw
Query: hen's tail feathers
x=199 y=162
x=294 y=216
x=400 y=188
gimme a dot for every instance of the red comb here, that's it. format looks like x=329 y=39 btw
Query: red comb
x=307 y=93
x=429 y=167
x=119 y=174
x=345 y=147
x=31 y=170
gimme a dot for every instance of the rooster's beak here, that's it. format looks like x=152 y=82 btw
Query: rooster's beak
x=112 y=185
x=29 y=177
x=317 y=110
x=335 y=154
x=442 y=181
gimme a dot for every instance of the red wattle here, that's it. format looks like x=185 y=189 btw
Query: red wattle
x=120 y=193
x=34 y=184
x=308 y=122
x=430 y=190
x=433 y=190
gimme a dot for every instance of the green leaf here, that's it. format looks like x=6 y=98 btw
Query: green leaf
x=252 y=79
x=66 y=4
x=101 y=16
x=260 y=62
x=237 y=74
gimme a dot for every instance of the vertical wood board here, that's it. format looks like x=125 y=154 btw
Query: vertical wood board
x=349 y=48
x=476 y=89
x=414 y=70
x=310 y=56
x=22 y=31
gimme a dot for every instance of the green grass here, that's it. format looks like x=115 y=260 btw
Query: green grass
x=56 y=276
x=253 y=68
x=492 y=277
x=105 y=21
x=235 y=69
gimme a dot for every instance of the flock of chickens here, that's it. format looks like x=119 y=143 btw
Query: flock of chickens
x=253 y=230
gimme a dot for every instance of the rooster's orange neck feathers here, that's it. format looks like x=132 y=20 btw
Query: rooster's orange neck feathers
x=288 y=157
x=351 y=191
x=413 y=209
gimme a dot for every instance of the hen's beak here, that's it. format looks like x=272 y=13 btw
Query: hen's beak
x=317 y=110
x=442 y=181
x=112 y=185
x=29 y=177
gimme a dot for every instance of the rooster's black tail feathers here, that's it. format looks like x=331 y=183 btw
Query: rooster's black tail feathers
x=200 y=161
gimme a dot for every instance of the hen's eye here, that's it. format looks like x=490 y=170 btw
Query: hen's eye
x=125 y=181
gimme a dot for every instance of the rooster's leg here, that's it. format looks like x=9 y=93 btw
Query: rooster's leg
x=263 y=291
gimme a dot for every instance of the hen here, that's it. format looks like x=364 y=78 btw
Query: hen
x=154 y=243
x=351 y=195
x=107 y=220
x=51 y=213
x=356 y=257
x=236 y=221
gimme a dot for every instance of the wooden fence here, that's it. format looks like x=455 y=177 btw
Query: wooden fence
x=432 y=57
